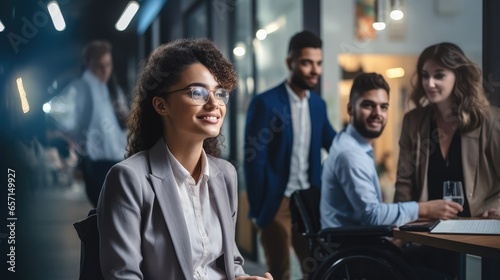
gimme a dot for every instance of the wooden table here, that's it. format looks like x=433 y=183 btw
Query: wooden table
x=480 y=245
x=486 y=246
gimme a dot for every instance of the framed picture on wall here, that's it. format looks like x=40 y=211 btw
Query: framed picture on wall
x=364 y=18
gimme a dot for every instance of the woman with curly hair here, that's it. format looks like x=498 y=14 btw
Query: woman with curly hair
x=453 y=134
x=168 y=211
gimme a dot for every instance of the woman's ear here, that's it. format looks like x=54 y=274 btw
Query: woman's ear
x=349 y=109
x=160 y=106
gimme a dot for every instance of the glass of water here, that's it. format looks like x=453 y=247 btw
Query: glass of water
x=453 y=191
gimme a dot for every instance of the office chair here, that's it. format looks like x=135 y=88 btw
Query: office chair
x=355 y=252
x=90 y=266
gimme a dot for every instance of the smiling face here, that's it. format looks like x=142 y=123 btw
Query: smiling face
x=182 y=118
x=369 y=113
x=438 y=82
x=306 y=68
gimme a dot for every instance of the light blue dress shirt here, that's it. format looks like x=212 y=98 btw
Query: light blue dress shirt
x=350 y=190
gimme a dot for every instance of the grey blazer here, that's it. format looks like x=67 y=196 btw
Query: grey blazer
x=143 y=234
x=480 y=160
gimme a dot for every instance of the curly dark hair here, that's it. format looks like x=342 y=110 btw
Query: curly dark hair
x=470 y=102
x=160 y=71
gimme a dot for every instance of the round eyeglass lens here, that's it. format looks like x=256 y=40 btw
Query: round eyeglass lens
x=222 y=96
x=199 y=95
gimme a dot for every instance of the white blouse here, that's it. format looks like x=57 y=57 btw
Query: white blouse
x=202 y=220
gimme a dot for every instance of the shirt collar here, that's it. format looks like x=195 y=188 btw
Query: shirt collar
x=89 y=76
x=353 y=132
x=204 y=166
x=292 y=95
x=180 y=173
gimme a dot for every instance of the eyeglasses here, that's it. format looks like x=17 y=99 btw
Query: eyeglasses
x=201 y=95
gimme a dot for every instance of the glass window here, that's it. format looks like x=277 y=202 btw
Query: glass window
x=277 y=21
x=196 y=21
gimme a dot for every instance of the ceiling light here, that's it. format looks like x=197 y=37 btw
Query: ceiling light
x=393 y=73
x=239 y=50
x=378 y=26
x=56 y=16
x=396 y=13
x=22 y=94
x=275 y=25
x=127 y=15
x=270 y=28
x=379 y=21
x=46 y=107
x=261 y=34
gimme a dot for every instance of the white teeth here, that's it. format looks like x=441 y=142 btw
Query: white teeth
x=210 y=118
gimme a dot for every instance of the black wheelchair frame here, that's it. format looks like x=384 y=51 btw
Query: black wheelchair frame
x=357 y=252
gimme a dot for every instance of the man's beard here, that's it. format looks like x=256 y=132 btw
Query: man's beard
x=370 y=134
x=299 y=81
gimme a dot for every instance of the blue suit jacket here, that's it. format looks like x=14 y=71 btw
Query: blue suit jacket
x=268 y=149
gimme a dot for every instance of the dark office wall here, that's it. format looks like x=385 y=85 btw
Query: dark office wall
x=312 y=21
x=491 y=47
x=311 y=13
x=220 y=15
x=171 y=21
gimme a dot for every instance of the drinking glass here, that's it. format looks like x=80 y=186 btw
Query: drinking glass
x=452 y=191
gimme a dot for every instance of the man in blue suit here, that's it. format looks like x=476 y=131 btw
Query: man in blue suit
x=286 y=128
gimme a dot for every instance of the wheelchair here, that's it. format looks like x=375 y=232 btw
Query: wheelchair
x=90 y=266
x=357 y=252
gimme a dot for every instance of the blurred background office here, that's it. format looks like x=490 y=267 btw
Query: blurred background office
x=41 y=54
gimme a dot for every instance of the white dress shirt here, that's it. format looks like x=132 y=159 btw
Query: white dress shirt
x=301 y=124
x=200 y=213
x=103 y=138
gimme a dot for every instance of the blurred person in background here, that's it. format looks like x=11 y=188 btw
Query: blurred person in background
x=97 y=125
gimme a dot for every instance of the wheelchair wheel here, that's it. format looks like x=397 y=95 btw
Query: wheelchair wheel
x=364 y=264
